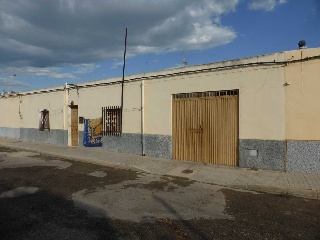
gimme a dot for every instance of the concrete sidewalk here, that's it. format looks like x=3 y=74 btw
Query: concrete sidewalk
x=297 y=184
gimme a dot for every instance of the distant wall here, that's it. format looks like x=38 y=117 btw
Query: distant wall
x=54 y=102
x=91 y=100
x=10 y=119
x=31 y=104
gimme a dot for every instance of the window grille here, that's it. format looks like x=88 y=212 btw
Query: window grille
x=44 y=122
x=111 y=120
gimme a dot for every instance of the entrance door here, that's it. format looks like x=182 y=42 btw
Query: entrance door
x=205 y=127
x=74 y=126
x=187 y=129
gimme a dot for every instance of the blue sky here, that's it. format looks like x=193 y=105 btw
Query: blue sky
x=47 y=43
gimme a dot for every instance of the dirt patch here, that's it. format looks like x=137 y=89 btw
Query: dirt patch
x=46 y=157
x=67 y=181
x=187 y=171
x=181 y=181
x=152 y=186
x=166 y=184
x=8 y=150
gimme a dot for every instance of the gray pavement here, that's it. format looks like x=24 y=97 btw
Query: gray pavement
x=297 y=184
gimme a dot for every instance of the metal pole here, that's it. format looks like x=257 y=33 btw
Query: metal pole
x=142 y=119
x=122 y=85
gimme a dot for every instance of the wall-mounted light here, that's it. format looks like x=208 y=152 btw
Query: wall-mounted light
x=302 y=44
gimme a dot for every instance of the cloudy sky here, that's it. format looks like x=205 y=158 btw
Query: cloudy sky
x=46 y=43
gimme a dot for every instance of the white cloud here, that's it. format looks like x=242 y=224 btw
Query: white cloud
x=51 y=72
x=85 y=68
x=266 y=5
x=116 y=64
x=73 y=32
x=11 y=82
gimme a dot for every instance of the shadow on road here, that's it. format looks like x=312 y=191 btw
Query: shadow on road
x=44 y=215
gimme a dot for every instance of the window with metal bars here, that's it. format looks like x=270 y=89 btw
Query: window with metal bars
x=111 y=120
x=44 y=122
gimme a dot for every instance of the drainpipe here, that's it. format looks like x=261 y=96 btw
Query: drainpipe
x=142 y=119
x=20 y=115
x=67 y=121
x=66 y=99
x=301 y=68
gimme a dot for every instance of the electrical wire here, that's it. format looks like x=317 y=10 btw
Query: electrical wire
x=136 y=79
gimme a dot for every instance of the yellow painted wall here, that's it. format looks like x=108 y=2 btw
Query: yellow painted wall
x=303 y=96
x=9 y=112
x=54 y=102
x=261 y=98
x=91 y=100
x=268 y=109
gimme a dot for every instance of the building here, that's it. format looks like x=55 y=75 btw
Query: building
x=258 y=112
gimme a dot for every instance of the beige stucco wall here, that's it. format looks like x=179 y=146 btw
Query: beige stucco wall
x=261 y=100
x=53 y=101
x=91 y=100
x=9 y=112
x=303 y=96
x=268 y=109
x=261 y=97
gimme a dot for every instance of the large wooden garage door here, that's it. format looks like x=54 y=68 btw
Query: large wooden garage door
x=205 y=127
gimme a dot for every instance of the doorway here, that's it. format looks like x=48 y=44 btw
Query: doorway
x=205 y=127
x=74 y=126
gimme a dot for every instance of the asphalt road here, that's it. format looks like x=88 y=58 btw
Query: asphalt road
x=43 y=197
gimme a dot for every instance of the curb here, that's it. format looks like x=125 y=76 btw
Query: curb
x=305 y=193
x=297 y=192
x=274 y=190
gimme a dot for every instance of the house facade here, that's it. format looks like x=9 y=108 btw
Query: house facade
x=258 y=112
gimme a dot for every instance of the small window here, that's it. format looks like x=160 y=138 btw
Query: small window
x=111 y=120
x=44 y=122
